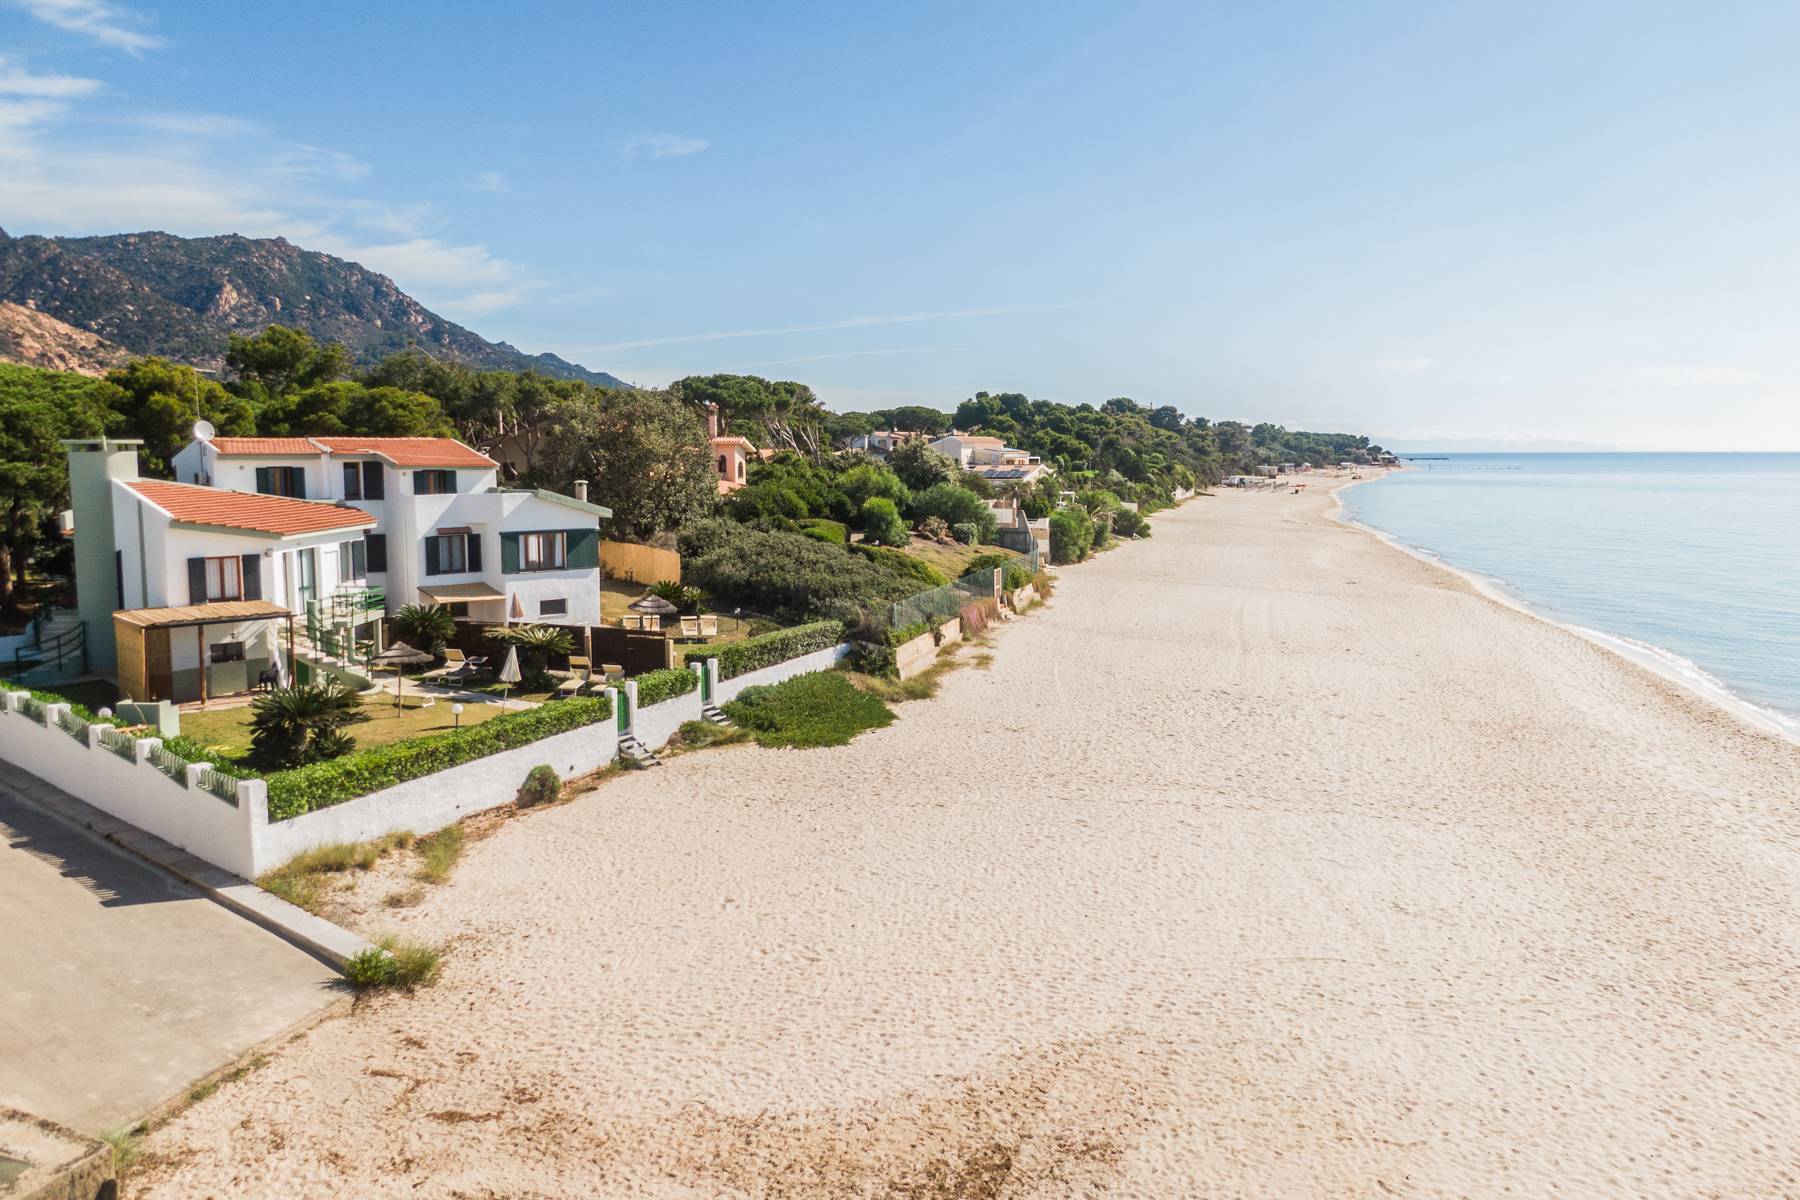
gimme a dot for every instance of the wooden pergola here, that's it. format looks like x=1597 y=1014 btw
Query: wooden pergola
x=145 y=635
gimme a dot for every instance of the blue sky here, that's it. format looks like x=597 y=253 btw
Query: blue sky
x=1422 y=221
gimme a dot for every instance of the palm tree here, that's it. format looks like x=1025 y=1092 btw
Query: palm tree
x=427 y=626
x=294 y=725
x=536 y=643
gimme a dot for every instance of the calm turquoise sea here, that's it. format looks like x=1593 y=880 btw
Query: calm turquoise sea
x=1691 y=560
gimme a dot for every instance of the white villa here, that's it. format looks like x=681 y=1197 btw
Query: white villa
x=331 y=531
x=991 y=457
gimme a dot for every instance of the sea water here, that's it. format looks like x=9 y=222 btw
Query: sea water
x=1688 y=562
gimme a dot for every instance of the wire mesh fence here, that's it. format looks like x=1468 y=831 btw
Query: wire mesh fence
x=936 y=605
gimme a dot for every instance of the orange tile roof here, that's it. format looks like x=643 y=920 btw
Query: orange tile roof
x=411 y=451
x=404 y=451
x=246 y=510
x=264 y=445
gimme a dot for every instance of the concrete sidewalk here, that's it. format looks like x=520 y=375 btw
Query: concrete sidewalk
x=122 y=985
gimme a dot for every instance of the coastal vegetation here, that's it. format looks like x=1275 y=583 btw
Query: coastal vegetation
x=820 y=709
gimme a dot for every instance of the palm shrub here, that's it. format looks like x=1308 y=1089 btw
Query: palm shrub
x=881 y=522
x=427 y=626
x=292 y=726
x=536 y=643
x=683 y=597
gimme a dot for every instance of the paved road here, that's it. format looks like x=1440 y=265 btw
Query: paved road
x=120 y=986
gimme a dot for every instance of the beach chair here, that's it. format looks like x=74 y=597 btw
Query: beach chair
x=572 y=685
x=456 y=665
x=631 y=621
x=651 y=623
x=690 y=627
x=709 y=627
x=611 y=672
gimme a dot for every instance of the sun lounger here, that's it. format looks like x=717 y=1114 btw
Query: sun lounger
x=455 y=664
x=612 y=672
x=572 y=685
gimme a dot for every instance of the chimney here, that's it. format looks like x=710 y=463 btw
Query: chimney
x=93 y=466
x=581 y=490
x=712 y=420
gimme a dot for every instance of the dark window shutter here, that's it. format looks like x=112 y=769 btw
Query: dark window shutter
x=377 y=543
x=359 y=560
x=581 y=549
x=119 y=576
x=352 y=481
x=474 y=552
x=509 y=554
x=431 y=556
x=374 y=482
x=196 y=581
x=263 y=483
x=296 y=482
x=253 y=577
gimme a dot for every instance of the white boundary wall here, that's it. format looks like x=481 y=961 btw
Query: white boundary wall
x=132 y=790
x=430 y=802
x=806 y=664
x=241 y=838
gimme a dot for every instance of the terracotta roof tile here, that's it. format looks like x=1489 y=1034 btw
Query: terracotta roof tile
x=246 y=510
x=288 y=446
x=411 y=451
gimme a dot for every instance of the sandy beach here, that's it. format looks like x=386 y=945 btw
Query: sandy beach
x=1266 y=861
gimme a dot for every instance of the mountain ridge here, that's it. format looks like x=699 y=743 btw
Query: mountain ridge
x=181 y=298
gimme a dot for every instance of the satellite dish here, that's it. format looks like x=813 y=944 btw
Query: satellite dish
x=203 y=431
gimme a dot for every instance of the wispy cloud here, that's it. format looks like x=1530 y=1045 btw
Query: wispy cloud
x=958 y=314
x=491 y=181
x=108 y=24
x=1697 y=376
x=211 y=173
x=1402 y=366
x=813 y=358
x=216 y=126
x=660 y=145
x=15 y=80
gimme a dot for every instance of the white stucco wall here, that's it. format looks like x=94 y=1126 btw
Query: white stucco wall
x=806 y=664
x=656 y=724
x=136 y=792
x=429 y=803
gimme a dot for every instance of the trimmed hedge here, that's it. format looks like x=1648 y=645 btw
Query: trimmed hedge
x=653 y=687
x=320 y=785
x=751 y=654
x=182 y=746
x=80 y=710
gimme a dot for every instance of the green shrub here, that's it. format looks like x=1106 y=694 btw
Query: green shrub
x=653 y=687
x=957 y=506
x=320 y=785
x=391 y=962
x=873 y=658
x=902 y=634
x=1103 y=530
x=819 y=529
x=1071 y=535
x=922 y=574
x=1126 y=523
x=80 y=710
x=790 y=576
x=867 y=481
x=182 y=746
x=541 y=786
x=751 y=654
x=934 y=528
x=820 y=709
x=880 y=522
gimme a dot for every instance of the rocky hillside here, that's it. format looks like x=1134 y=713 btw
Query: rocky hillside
x=40 y=340
x=154 y=293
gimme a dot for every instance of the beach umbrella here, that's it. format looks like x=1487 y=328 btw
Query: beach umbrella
x=509 y=673
x=655 y=605
x=400 y=656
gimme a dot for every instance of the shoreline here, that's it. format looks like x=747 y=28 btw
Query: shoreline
x=1659 y=661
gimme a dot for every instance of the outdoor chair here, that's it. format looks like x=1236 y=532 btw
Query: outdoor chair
x=572 y=685
x=612 y=672
x=709 y=627
x=690 y=627
x=631 y=622
x=455 y=664
x=651 y=624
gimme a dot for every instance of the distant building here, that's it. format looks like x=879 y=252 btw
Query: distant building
x=730 y=455
x=883 y=442
x=991 y=458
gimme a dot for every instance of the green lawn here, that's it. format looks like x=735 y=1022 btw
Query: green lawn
x=228 y=729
